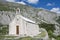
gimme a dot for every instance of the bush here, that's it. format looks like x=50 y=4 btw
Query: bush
x=4 y=29
x=58 y=20
x=49 y=27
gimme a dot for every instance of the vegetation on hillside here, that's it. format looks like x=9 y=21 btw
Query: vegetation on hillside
x=50 y=29
x=58 y=20
x=5 y=8
x=4 y=29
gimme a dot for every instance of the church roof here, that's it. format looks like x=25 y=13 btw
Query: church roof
x=26 y=19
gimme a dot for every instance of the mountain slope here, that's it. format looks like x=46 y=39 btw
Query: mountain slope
x=36 y=14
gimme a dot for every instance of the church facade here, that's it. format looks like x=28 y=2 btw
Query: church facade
x=21 y=26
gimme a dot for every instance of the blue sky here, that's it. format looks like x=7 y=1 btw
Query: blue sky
x=52 y=5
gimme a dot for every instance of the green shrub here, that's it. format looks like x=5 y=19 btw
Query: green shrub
x=4 y=30
x=49 y=27
x=58 y=20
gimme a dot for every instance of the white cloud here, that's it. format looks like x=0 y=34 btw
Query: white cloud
x=21 y=3
x=57 y=10
x=16 y=2
x=50 y=4
x=10 y=0
x=32 y=1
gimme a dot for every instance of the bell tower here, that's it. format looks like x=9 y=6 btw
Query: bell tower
x=17 y=10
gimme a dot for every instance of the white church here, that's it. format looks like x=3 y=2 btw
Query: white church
x=21 y=26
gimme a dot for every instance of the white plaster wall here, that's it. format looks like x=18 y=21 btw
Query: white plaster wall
x=32 y=29
x=24 y=26
x=22 y=31
x=12 y=28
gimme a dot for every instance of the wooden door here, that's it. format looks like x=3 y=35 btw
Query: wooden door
x=17 y=30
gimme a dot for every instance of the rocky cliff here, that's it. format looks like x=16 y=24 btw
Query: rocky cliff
x=36 y=14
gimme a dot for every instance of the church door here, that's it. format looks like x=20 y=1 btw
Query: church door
x=17 y=30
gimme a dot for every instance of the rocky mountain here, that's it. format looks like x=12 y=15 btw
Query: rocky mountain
x=36 y=14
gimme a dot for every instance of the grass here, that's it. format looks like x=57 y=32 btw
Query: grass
x=41 y=35
x=7 y=37
x=29 y=38
x=25 y=38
